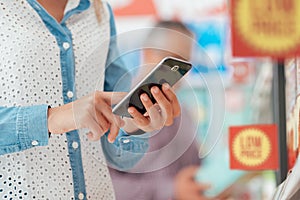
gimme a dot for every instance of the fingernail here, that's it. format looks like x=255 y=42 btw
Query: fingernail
x=155 y=90
x=166 y=86
x=144 y=97
x=130 y=110
x=110 y=139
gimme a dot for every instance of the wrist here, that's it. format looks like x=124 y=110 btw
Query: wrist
x=60 y=119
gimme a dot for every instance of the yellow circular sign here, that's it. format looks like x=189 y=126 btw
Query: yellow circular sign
x=251 y=147
x=268 y=25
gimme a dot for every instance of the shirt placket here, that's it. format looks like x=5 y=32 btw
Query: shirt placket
x=64 y=40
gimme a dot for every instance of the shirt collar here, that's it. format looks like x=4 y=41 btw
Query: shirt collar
x=75 y=6
x=71 y=5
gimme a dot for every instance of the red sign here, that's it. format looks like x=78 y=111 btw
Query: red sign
x=136 y=7
x=253 y=147
x=265 y=28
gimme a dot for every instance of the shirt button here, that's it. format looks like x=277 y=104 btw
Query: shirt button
x=66 y=45
x=80 y=196
x=34 y=143
x=126 y=141
x=70 y=94
x=75 y=145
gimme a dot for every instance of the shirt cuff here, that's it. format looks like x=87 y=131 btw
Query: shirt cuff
x=32 y=126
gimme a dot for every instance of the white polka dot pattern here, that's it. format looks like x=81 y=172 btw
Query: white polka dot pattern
x=97 y=179
x=30 y=74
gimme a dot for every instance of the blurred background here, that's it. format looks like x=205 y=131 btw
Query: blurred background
x=247 y=84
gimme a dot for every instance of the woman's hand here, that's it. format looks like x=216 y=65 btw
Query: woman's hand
x=158 y=115
x=92 y=112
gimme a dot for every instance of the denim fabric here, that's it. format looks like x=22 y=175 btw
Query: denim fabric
x=22 y=128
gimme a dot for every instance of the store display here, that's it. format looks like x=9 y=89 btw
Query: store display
x=259 y=29
x=252 y=146
x=265 y=28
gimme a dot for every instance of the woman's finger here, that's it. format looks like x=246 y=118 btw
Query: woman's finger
x=171 y=96
x=146 y=101
x=95 y=131
x=112 y=97
x=164 y=104
x=106 y=111
x=157 y=116
x=102 y=121
x=114 y=131
x=153 y=111
x=138 y=118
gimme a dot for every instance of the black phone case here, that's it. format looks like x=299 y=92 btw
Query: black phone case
x=170 y=70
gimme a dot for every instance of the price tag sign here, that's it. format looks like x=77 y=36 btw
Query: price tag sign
x=265 y=28
x=253 y=147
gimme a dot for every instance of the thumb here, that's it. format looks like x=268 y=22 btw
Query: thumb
x=113 y=97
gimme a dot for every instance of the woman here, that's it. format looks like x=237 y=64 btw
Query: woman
x=53 y=57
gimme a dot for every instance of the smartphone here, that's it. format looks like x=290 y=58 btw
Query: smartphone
x=170 y=70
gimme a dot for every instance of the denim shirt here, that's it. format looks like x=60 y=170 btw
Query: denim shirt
x=24 y=127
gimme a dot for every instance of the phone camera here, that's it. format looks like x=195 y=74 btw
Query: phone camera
x=175 y=68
